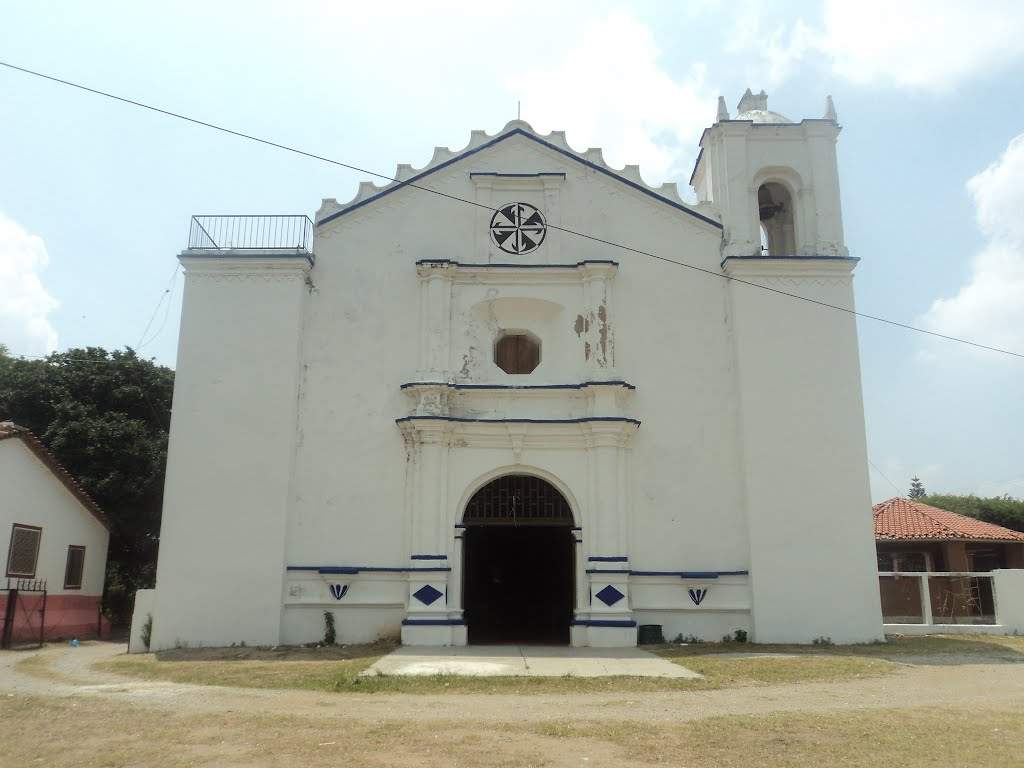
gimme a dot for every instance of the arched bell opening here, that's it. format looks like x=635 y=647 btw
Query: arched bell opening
x=778 y=225
x=518 y=562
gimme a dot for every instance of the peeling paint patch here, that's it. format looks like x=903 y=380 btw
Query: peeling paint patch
x=602 y=331
x=581 y=326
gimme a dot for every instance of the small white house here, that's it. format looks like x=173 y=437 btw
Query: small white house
x=461 y=412
x=53 y=538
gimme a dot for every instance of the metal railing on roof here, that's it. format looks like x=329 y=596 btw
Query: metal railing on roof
x=225 y=233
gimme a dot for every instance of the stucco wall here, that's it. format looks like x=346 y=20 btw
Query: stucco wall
x=804 y=467
x=362 y=343
x=220 y=571
x=33 y=496
x=668 y=337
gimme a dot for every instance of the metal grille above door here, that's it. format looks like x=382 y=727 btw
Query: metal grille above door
x=518 y=500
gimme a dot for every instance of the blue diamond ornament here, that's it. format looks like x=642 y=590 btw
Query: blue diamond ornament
x=427 y=594
x=609 y=595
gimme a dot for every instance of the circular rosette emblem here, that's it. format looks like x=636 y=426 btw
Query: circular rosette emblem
x=518 y=228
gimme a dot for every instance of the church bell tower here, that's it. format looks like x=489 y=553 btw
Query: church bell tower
x=775 y=184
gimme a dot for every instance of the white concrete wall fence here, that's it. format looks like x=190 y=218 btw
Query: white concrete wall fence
x=1008 y=589
x=142 y=611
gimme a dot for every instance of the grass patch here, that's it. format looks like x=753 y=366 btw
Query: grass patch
x=910 y=738
x=1008 y=647
x=343 y=675
x=61 y=732
x=338 y=669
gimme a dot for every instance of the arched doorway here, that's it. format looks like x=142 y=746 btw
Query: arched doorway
x=518 y=561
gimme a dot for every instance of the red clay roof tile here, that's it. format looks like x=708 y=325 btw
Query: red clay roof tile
x=903 y=519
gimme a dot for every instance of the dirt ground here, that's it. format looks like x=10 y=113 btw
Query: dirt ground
x=55 y=709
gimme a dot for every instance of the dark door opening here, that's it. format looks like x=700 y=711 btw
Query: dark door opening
x=518 y=584
x=519 y=554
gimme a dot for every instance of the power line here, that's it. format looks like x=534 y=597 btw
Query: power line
x=890 y=482
x=593 y=238
x=165 y=296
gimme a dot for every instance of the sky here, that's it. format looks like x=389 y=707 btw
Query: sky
x=96 y=196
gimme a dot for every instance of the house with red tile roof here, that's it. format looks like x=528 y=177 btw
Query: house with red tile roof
x=911 y=536
x=939 y=570
x=53 y=545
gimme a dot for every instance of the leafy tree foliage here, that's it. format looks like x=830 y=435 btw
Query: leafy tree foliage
x=105 y=416
x=917 y=490
x=1000 y=510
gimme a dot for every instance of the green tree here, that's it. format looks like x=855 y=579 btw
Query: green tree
x=917 y=490
x=1000 y=510
x=105 y=417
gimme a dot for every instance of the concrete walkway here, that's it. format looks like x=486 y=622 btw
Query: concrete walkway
x=527 y=661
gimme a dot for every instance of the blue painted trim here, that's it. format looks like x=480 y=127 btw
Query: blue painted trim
x=433 y=622
x=603 y=623
x=519 y=131
x=460 y=525
x=351 y=569
x=853 y=259
x=691 y=574
x=594 y=570
x=584 y=420
x=517 y=175
x=577 y=528
x=509 y=265
x=582 y=385
x=696 y=163
x=429 y=557
x=609 y=559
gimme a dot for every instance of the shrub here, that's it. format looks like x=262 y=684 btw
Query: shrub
x=146 y=634
x=329 y=634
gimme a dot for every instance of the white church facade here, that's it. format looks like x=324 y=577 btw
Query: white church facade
x=460 y=412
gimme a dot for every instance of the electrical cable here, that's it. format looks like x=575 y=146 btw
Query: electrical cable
x=456 y=198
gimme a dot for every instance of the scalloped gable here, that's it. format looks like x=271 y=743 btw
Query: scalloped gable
x=555 y=141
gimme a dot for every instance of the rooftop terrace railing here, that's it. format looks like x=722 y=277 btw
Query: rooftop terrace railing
x=270 y=233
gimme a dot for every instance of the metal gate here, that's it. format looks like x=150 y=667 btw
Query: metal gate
x=24 y=613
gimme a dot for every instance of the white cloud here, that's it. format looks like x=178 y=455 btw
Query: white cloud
x=930 y=45
x=989 y=307
x=24 y=302
x=610 y=92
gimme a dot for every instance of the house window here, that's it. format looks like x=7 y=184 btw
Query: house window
x=982 y=560
x=74 y=567
x=902 y=562
x=517 y=352
x=24 y=550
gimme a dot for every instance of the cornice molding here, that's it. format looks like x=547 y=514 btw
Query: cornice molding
x=462 y=273
x=518 y=434
x=792 y=267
